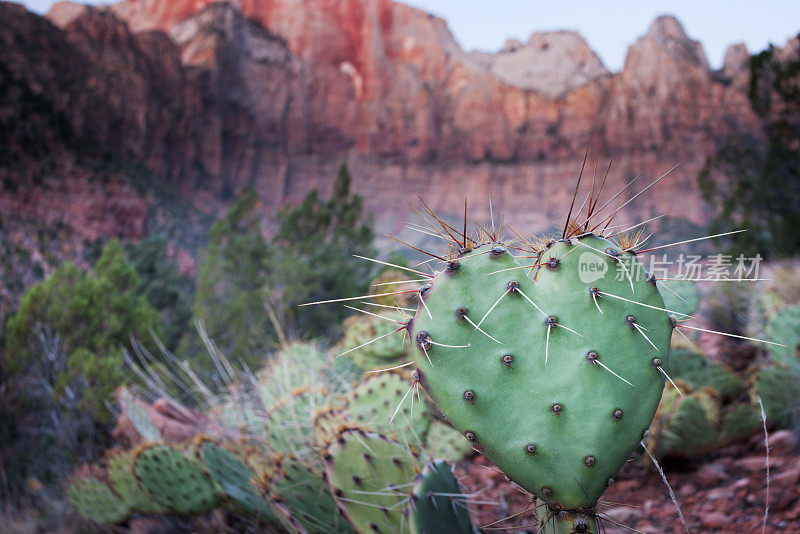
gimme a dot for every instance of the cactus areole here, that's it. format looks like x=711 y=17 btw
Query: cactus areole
x=547 y=369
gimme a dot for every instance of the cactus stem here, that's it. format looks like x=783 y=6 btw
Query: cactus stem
x=569 y=522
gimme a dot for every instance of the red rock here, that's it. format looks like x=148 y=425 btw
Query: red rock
x=389 y=85
x=783 y=441
x=710 y=475
x=752 y=463
x=716 y=520
x=787 y=479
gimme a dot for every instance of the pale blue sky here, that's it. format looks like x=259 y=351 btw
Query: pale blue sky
x=609 y=25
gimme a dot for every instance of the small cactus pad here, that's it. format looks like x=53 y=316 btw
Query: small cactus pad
x=384 y=352
x=94 y=500
x=699 y=371
x=175 y=480
x=688 y=424
x=364 y=471
x=437 y=504
x=328 y=421
x=779 y=390
x=784 y=328
x=139 y=418
x=375 y=400
x=563 y=375
x=289 y=428
x=446 y=443
x=235 y=479
x=304 y=500
x=124 y=483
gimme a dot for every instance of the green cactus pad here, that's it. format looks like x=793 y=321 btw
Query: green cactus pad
x=383 y=353
x=289 y=428
x=444 y=442
x=174 y=480
x=437 y=503
x=374 y=401
x=304 y=500
x=556 y=423
x=687 y=425
x=741 y=421
x=699 y=371
x=122 y=479
x=328 y=422
x=784 y=328
x=139 y=418
x=94 y=500
x=779 y=389
x=364 y=471
x=235 y=479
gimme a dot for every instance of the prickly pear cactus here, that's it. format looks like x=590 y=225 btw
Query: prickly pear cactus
x=554 y=377
x=437 y=503
x=446 y=443
x=785 y=325
x=379 y=399
x=779 y=389
x=383 y=353
x=95 y=501
x=698 y=371
x=368 y=475
x=139 y=418
x=328 y=422
x=122 y=479
x=175 y=480
x=688 y=424
x=235 y=479
x=303 y=499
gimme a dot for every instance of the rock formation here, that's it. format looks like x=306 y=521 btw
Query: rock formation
x=211 y=96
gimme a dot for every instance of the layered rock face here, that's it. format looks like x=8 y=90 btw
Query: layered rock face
x=417 y=114
x=213 y=96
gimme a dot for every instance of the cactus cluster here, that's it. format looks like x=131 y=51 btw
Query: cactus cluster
x=291 y=465
x=547 y=356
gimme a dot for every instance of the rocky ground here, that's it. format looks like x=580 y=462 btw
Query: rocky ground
x=722 y=492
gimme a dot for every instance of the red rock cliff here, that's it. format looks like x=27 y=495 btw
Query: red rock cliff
x=276 y=93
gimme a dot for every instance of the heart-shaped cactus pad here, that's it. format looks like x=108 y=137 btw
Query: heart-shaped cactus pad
x=554 y=372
